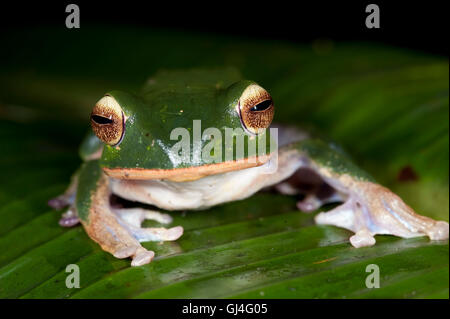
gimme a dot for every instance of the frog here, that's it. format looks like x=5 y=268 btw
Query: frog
x=129 y=154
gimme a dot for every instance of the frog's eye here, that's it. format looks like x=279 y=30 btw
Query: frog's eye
x=255 y=109
x=108 y=121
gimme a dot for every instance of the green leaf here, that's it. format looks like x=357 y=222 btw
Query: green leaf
x=386 y=106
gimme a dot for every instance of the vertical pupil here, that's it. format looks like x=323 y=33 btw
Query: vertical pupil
x=101 y=120
x=264 y=105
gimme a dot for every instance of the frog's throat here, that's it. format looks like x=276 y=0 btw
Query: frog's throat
x=185 y=174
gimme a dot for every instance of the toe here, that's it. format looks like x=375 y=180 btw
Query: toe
x=439 y=231
x=125 y=252
x=307 y=207
x=362 y=238
x=142 y=257
x=159 y=217
x=173 y=233
x=69 y=221
x=57 y=203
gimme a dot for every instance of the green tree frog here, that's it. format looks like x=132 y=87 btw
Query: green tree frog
x=130 y=154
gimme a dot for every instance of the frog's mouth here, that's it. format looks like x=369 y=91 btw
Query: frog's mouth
x=184 y=174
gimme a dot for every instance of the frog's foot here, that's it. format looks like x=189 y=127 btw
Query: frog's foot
x=132 y=218
x=69 y=218
x=140 y=255
x=316 y=192
x=111 y=233
x=61 y=201
x=135 y=216
x=118 y=231
x=312 y=202
x=372 y=209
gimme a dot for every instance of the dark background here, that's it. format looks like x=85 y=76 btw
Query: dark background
x=403 y=23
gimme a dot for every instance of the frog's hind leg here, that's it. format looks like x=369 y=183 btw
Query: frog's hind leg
x=132 y=219
x=372 y=209
x=313 y=190
x=368 y=208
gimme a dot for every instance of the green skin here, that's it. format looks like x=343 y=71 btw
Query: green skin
x=177 y=98
x=165 y=104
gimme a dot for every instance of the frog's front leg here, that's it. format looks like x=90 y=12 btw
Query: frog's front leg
x=135 y=216
x=368 y=208
x=117 y=231
x=132 y=218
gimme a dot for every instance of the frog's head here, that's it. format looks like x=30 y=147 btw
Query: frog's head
x=141 y=131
